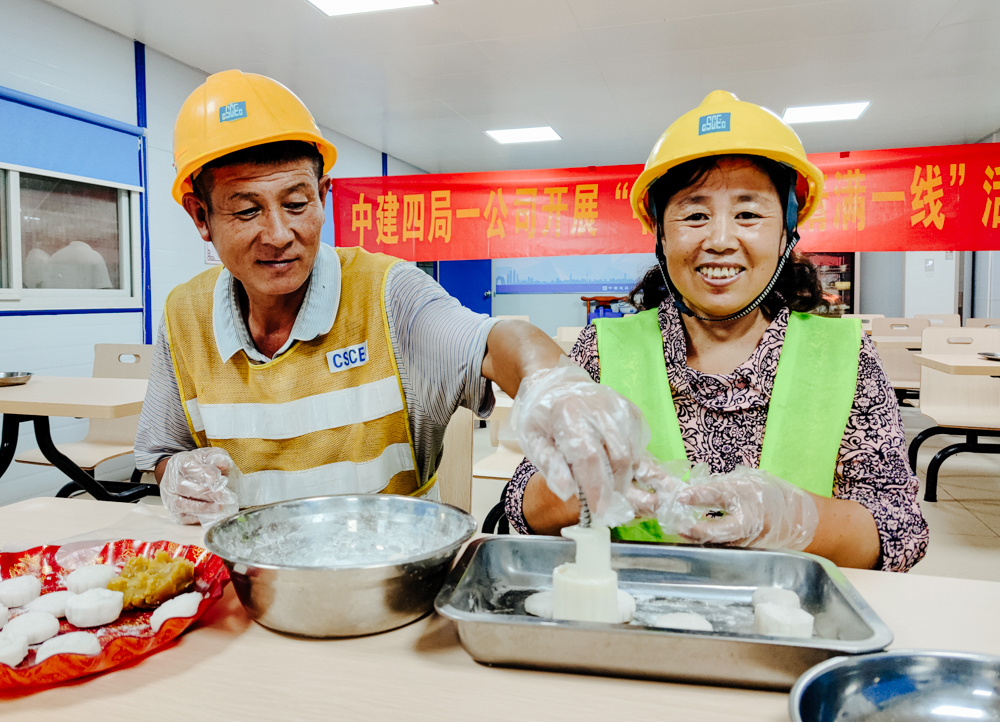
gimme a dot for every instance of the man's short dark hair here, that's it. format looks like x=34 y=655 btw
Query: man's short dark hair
x=284 y=151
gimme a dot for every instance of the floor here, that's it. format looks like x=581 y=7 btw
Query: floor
x=964 y=522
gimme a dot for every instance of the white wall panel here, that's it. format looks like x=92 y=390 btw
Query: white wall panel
x=50 y=53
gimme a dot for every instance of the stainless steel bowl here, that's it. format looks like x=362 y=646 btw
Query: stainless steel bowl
x=311 y=566
x=14 y=378
x=908 y=686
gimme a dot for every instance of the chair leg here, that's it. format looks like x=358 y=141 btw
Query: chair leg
x=920 y=439
x=496 y=518
x=971 y=445
x=136 y=476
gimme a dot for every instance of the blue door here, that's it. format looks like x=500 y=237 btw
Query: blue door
x=470 y=282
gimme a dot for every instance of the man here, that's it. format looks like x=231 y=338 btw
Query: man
x=296 y=369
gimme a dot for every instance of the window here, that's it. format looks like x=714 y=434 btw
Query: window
x=66 y=243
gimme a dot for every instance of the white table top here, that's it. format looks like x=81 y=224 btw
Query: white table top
x=897 y=341
x=79 y=396
x=227 y=667
x=959 y=364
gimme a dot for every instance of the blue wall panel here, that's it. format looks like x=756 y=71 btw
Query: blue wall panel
x=41 y=139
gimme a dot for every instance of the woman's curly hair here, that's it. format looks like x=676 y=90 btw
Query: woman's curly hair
x=798 y=286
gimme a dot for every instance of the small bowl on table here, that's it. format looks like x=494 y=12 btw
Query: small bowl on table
x=14 y=378
x=909 y=686
x=340 y=566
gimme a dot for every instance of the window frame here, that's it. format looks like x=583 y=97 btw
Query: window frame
x=14 y=297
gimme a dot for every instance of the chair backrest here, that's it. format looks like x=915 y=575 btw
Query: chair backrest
x=122 y=360
x=866 y=318
x=982 y=323
x=455 y=470
x=119 y=361
x=898 y=326
x=955 y=399
x=514 y=318
x=947 y=320
x=568 y=333
x=898 y=362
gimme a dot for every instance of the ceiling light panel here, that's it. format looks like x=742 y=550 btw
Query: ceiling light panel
x=353 y=7
x=819 y=113
x=523 y=135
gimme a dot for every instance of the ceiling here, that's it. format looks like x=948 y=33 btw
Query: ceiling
x=422 y=84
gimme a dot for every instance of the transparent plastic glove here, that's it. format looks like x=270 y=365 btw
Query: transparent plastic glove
x=654 y=482
x=193 y=487
x=758 y=510
x=582 y=437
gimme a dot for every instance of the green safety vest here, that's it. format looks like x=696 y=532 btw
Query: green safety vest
x=810 y=402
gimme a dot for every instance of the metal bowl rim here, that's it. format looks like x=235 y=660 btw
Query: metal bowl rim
x=471 y=527
x=15 y=374
x=815 y=672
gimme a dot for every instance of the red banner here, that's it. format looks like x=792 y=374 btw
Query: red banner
x=936 y=198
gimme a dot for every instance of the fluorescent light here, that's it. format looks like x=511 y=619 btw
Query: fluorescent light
x=817 y=113
x=352 y=7
x=523 y=135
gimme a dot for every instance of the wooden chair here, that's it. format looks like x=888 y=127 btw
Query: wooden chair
x=898 y=362
x=963 y=405
x=945 y=320
x=982 y=323
x=106 y=438
x=455 y=470
x=866 y=319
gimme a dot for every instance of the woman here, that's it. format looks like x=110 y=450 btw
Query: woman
x=728 y=368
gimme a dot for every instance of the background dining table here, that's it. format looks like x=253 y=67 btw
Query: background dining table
x=74 y=396
x=228 y=667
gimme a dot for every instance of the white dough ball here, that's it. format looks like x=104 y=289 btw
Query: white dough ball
x=96 y=576
x=683 y=620
x=54 y=603
x=777 y=595
x=777 y=621
x=13 y=648
x=183 y=605
x=94 y=608
x=69 y=643
x=18 y=591
x=36 y=627
x=540 y=604
x=626 y=606
x=4 y=615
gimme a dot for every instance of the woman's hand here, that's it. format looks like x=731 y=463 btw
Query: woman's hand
x=758 y=510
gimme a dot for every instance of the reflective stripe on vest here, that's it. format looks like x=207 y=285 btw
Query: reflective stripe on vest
x=810 y=402
x=293 y=426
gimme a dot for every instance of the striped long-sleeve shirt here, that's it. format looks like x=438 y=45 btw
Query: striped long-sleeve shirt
x=439 y=347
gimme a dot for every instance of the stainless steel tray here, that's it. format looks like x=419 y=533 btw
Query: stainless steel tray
x=485 y=594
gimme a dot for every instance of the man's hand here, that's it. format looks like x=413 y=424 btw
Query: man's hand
x=193 y=486
x=583 y=437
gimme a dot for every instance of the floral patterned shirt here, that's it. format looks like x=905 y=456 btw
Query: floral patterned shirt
x=722 y=423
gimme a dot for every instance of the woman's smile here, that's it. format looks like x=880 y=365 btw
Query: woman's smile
x=720 y=274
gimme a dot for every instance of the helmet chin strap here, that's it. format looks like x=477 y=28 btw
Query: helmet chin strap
x=792 y=233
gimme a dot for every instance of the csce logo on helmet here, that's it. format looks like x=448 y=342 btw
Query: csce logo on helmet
x=233 y=111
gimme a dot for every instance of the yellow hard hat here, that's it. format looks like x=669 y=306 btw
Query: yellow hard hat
x=724 y=125
x=233 y=110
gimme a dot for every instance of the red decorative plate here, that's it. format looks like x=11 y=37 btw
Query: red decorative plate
x=127 y=638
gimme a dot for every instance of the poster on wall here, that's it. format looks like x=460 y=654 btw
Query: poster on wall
x=212 y=256
x=908 y=199
x=614 y=274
